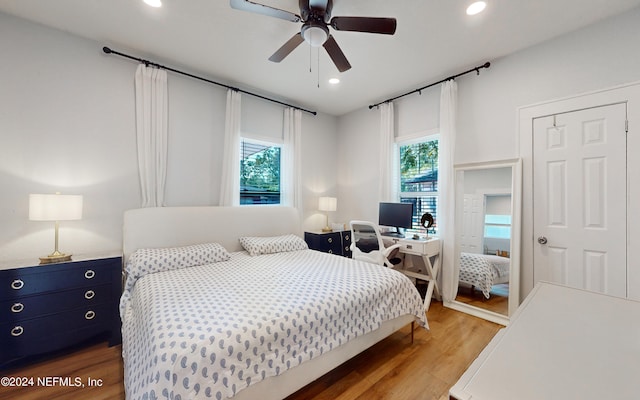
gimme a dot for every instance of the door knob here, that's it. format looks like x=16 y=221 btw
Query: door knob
x=542 y=240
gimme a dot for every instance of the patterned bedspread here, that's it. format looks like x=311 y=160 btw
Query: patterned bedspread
x=483 y=271
x=211 y=330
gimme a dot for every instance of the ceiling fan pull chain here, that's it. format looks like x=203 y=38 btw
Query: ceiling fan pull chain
x=318 y=55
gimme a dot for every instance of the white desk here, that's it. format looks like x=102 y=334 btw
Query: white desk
x=426 y=249
x=562 y=343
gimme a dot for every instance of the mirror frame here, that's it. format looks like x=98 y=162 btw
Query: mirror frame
x=514 y=250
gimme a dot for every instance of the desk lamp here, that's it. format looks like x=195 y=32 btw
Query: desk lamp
x=55 y=207
x=327 y=204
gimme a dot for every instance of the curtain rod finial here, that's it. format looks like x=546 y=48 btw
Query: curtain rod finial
x=487 y=64
x=106 y=50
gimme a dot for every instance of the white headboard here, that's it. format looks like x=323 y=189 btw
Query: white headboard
x=156 y=227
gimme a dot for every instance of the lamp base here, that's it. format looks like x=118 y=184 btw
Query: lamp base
x=327 y=229
x=55 y=257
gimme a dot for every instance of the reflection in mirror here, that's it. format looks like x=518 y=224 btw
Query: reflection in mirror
x=487 y=238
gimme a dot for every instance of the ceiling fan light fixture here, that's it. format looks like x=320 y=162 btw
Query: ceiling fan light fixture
x=315 y=35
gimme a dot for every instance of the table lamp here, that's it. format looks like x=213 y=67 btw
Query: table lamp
x=327 y=204
x=55 y=207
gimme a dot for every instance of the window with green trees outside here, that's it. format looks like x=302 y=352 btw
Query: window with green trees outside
x=419 y=179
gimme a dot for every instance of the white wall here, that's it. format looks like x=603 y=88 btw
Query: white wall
x=599 y=56
x=67 y=124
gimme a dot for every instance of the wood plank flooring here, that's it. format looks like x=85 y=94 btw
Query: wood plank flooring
x=392 y=369
x=497 y=302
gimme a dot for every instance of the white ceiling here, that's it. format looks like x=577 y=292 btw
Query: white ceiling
x=434 y=39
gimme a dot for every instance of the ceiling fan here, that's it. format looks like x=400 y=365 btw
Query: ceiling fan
x=315 y=16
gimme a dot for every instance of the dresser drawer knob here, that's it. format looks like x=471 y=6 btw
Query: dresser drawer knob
x=89 y=274
x=17 y=284
x=330 y=240
x=17 y=331
x=90 y=314
x=17 y=307
x=89 y=294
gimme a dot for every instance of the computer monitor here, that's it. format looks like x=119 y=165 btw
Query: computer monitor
x=396 y=215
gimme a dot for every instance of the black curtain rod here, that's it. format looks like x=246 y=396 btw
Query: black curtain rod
x=148 y=63
x=476 y=69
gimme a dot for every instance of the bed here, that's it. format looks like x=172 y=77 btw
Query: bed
x=483 y=271
x=206 y=316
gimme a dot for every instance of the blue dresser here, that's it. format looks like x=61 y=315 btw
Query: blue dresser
x=330 y=242
x=45 y=308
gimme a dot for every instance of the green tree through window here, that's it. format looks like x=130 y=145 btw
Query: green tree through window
x=259 y=173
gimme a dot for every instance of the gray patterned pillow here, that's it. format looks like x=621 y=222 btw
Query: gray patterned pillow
x=273 y=244
x=145 y=261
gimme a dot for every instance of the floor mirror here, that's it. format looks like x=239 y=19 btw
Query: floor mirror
x=487 y=238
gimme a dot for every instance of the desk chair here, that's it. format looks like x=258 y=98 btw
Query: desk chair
x=367 y=244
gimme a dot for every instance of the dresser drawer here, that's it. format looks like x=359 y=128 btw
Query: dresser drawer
x=420 y=246
x=18 y=333
x=40 y=305
x=21 y=282
x=46 y=334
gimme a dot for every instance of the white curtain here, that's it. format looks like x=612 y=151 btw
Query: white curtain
x=291 y=175
x=388 y=188
x=446 y=183
x=230 y=186
x=151 y=133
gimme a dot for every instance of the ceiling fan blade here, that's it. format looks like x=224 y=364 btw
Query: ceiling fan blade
x=386 y=26
x=287 y=48
x=246 y=5
x=337 y=56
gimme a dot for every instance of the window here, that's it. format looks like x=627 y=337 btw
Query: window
x=259 y=172
x=497 y=226
x=497 y=218
x=419 y=178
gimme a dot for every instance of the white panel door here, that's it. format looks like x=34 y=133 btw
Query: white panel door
x=580 y=199
x=472 y=233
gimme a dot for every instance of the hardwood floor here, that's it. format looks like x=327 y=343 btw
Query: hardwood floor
x=392 y=369
x=497 y=302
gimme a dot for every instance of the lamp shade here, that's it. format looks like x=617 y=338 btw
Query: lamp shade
x=327 y=204
x=55 y=207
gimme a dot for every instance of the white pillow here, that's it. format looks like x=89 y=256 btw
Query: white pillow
x=274 y=244
x=145 y=261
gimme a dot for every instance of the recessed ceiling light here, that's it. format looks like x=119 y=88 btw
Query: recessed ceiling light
x=476 y=8
x=154 y=3
x=334 y=81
